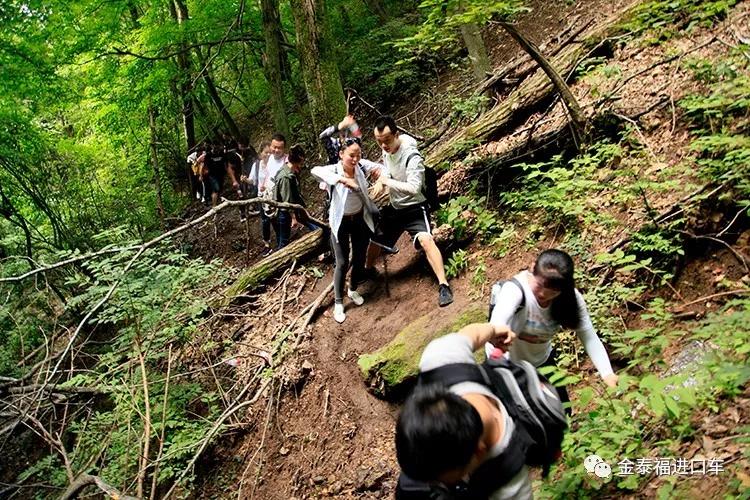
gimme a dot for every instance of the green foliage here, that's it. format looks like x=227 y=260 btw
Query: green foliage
x=501 y=244
x=158 y=304
x=471 y=106
x=367 y=63
x=457 y=263
x=664 y=19
x=651 y=413
x=719 y=121
x=442 y=20
x=560 y=189
x=467 y=214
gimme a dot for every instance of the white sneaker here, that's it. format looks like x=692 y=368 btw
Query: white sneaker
x=338 y=313
x=356 y=297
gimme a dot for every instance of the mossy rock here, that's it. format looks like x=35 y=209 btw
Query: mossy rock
x=391 y=371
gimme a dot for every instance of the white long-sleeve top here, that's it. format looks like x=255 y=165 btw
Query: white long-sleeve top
x=535 y=324
x=405 y=178
x=331 y=175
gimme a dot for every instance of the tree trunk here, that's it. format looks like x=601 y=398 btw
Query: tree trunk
x=390 y=371
x=186 y=80
x=272 y=62
x=299 y=249
x=577 y=116
x=215 y=98
x=317 y=59
x=528 y=94
x=377 y=8
x=532 y=91
x=480 y=62
x=155 y=164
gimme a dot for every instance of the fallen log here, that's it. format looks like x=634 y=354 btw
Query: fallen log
x=267 y=267
x=530 y=93
x=390 y=371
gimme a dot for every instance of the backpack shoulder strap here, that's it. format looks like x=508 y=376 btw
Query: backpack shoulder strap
x=456 y=373
x=523 y=294
x=413 y=155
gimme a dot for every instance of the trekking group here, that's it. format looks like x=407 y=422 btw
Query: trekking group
x=467 y=430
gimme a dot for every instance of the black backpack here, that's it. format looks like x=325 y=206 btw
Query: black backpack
x=495 y=293
x=430 y=187
x=533 y=404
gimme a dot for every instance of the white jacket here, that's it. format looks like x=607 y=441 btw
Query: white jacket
x=331 y=175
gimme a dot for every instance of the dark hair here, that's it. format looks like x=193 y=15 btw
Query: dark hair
x=384 y=121
x=555 y=268
x=348 y=141
x=437 y=431
x=296 y=154
x=278 y=137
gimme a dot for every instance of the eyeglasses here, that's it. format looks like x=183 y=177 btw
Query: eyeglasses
x=349 y=141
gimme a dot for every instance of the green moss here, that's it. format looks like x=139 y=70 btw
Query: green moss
x=396 y=364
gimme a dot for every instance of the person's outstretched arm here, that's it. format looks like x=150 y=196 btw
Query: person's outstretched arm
x=593 y=344
x=414 y=178
x=481 y=333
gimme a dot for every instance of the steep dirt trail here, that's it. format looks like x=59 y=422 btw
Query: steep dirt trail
x=333 y=438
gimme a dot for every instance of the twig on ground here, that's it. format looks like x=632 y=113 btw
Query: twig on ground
x=714 y=296
x=734 y=219
x=87 y=479
x=146 y=424
x=155 y=473
x=741 y=258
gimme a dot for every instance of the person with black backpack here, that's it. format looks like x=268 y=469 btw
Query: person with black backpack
x=538 y=304
x=351 y=216
x=406 y=178
x=470 y=431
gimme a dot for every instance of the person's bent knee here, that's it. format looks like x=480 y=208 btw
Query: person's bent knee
x=425 y=240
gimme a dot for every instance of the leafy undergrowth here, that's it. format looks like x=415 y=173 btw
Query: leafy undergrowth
x=145 y=369
x=647 y=428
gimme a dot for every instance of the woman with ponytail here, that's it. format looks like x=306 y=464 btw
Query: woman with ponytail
x=539 y=303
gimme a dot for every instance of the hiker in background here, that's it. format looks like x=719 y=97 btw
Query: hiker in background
x=287 y=190
x=216 y=170
x=404 y=175
x=233 y=159
x=197 y=160
x=350 y=216
x=254 y=172
x=537 y=304
x=276 y=160
x=333 y=136
x=460 y=433
x=278 y=156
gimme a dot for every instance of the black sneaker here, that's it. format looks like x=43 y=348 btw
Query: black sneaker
x=267 y=252
x=445 y=296
x=370 y=274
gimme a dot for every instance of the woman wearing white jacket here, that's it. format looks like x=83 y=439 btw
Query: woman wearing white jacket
x=350 y=217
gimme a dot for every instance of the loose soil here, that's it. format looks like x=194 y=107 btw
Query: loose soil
x=321 y=434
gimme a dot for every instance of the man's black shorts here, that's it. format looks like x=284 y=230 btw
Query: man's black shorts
x=394 y=221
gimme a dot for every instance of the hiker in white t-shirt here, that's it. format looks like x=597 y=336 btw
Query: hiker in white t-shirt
x=275 y=162
x=451 y=435
x=546 y=303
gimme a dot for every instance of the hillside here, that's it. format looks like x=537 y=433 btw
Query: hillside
x=267 y=397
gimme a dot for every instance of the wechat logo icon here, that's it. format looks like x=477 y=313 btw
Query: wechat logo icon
x=595 y=465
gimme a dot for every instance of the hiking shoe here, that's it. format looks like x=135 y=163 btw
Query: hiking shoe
x=338 y=313
x=370 y=274
x=268 y=251
x=445 y=296
x=356 y=297
x=243 y=219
